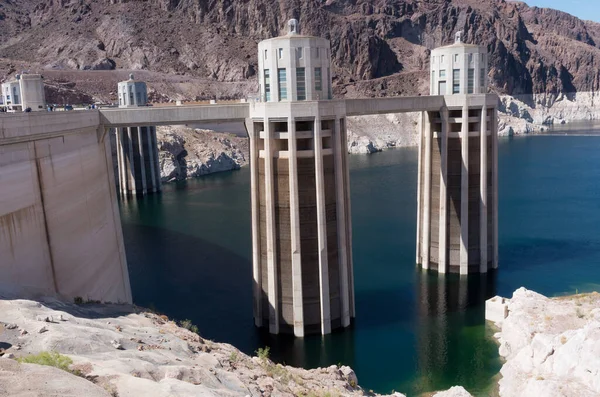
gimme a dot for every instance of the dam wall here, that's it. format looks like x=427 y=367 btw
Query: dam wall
x=60 y=229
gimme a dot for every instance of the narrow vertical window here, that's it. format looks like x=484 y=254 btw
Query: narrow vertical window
x=443 y=74
x=470 y=58
x=318 y=80
x=267 y=85
x=455 y=57
x=266 y=51
x=280 y=53
x=299 y=52
x=317 y=52
x=456 y=81
x=470 y=80
x=329 y=92
x=442 y=59
x=301 y=84
x=482 y=86
x=138 y=97
x=282 y=84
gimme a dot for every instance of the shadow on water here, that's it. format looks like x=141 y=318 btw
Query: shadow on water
x=190 y=278
x=454 y=345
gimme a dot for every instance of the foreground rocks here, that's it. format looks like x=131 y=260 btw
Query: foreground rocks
x=551 y=346
x=186 y=152
x=120 y=350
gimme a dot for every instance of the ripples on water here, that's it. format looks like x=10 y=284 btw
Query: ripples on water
x=189 y=254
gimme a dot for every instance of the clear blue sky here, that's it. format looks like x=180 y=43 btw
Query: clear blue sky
x=584 y=9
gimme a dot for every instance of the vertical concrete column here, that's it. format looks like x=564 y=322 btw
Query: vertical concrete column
x=464 y=192
x=426 y=202
x=348 y=203
x=322 y=230
x=341 y=222
x=140 y=148
x=483 y=195
x=118 y=137
x=254 y=199
x=443 y=225
x=420 y=128
x=494 y=137
x=155 y=163
x=131 y=162
x=273 y=275
x=154 y=181
x=298 y=306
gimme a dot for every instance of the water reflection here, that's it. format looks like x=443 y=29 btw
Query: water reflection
x=451 y=330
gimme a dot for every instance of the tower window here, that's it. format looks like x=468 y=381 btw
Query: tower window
x=267 y=85
x=280 y=53
x=317 y=52
x=329 y=93
x=482 y=86
x=456 y=81
x=470 y=58
x=266 y=51
x=299 y=52
x=282 y=81
x=470 y=80
x=318 y=80
x=443 y=74
x=301 y=84
x=455 y=57
x=442 y=59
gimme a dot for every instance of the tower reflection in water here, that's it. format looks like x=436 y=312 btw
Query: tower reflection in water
x=455 y=346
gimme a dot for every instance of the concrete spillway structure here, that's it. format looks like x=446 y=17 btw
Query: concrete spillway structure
x=457 y=228
x=138 y=171
x=301 y=232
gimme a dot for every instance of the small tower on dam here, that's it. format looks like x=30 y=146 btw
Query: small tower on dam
x=137 y=150
x=301 y=230
x=23 y=93
x=457 y=228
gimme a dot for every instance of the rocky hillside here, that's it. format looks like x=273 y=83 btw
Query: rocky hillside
x=379 y=47
x=186 y=152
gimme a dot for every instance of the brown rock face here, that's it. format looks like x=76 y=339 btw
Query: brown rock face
x=379 y=47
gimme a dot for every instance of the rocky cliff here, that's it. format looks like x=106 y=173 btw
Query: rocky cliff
x=379 y=48
x=187 y=152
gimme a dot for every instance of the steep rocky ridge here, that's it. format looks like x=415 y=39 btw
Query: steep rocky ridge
x=379 y=48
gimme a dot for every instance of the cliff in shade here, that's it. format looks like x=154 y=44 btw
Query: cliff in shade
x=200 y=49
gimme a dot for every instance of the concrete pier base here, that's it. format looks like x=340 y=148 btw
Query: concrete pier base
x=458 y=196
x=138 y=171
x=300 y=218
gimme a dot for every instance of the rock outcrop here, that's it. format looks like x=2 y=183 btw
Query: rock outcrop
x=186 y=152
x=120 y=350
x=551 y=346
x=535 y=113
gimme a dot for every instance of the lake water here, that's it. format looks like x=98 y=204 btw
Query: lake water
x=189 y=255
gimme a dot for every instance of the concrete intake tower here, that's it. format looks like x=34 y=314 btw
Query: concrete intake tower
x=301 y=231
x=457 y=225
x=137 y=149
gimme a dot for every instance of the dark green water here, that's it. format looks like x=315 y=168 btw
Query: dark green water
x=189 y=254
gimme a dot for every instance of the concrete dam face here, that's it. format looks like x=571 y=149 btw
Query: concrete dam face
x=60 y=230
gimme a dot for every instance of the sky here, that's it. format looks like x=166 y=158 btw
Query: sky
x=583 y=9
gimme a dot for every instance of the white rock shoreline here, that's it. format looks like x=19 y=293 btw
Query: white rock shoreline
x=551 y=346
x=122 y=350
